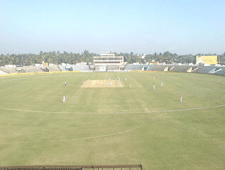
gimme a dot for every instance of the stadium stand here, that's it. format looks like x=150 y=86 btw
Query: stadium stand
x=150 y=67
x=83 y=68
x=31 y=69
x=217 y=70
x=53 y=68
x=20 y=70
x=98 y=67
x=170 y=68
x=193 y=68
x=220 y=71
x=59 y=68
x=115 y=67
x=62 y=68
x=196 y=69
x=180 y=68
x=92 y=67
x=166 y=69
x=159 y=68
x=136 y=67
x=44 y=69
x=78 y=67
x=112 y=67
x=2 y=72
x=206 y=69
x=9 y=70
x=186 y=69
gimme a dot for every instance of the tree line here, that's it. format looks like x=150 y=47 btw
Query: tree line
x=73 y=58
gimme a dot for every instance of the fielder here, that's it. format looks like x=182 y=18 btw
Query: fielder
x=130 y=86
x=64 y=99
x=65 y=83
x=181 y=98
x=153 y=87
x=161 y=83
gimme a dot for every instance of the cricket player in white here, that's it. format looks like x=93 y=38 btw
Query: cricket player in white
x=65 y=83
x=181 y=98
x=130 y=86
x=153 y=87
x=64 y=99
x=161 y=83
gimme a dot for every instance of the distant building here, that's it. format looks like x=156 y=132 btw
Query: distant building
x=206 y=60
x=106 y=62
x=108 y=59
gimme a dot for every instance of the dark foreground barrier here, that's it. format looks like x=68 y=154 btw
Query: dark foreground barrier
x=73 y=167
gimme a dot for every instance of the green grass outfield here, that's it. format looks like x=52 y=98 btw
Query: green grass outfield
x=113 y=125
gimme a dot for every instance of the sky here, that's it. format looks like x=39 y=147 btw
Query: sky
x=138 y=26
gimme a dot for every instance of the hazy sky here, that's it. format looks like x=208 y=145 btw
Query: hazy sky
x=177 y=26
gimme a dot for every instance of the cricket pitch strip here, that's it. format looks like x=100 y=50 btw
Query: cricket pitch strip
x=102 y=83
